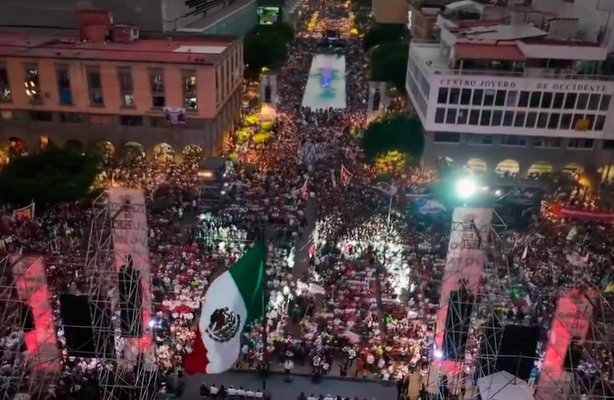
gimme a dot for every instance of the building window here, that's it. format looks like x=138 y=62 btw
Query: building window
x=451 y=116
x=478 y=95
x=557 y=103
x=535 y=99
x=547 y=142
x=64 y=91
x=583 y=144
x=489 y=97
x=513 y=140
x=100 y=119
x=126 y=86
x=463 y=114
x=523 y=101
x=474 y=117
x=531 y=120
x=442 y=97
x=42 y=116
x=156 y=78
x=94 y=83
x=608 y=145
x=520 y=118
x=465 y=98
x=5 y=86
x=190 y=100
x=508 y=118
x=71 y=118
x=593 y=101
x=599 y=123
x=440 y=115
x=131 y=120
x=497 y=118
x=570 y=101
x=553 y=123
x=485 y=140
x=500 y=98
x=32 y=84
x=485 y=118
x=605 y=102
x=547 y=100
x=454 y=96
x=582 y=101
x=446 y=137
x=542 y=120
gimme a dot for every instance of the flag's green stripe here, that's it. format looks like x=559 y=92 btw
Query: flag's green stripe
x=248 y=274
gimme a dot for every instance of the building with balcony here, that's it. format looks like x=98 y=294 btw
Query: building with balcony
x=112 y=84
x=515 y=94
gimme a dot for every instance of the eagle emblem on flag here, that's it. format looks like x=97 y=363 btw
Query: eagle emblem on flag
x=223 y=325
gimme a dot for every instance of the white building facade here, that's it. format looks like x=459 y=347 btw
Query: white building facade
x=514 y=96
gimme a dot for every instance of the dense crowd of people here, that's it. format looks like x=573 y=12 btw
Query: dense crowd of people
x=365 y=300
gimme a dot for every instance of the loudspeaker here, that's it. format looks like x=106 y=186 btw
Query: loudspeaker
x=26 y=317
x=517 y=351
x=460 y=306
x=76 y=319
x=573 y=356
x=130 y=298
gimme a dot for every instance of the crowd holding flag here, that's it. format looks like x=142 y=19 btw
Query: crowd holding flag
x=24 y=213
x=346 y=175
x=232 y=302
x=305 y=190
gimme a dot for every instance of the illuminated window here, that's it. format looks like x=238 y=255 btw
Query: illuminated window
x=94 y=83
x=156 y=79
x=64 y=89
x=190 y=100
x=126 y=86
x=32 y=84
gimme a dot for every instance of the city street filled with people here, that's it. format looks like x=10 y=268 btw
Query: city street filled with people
x=353 y=277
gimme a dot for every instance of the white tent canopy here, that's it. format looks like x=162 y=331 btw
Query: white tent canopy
x=504 y=386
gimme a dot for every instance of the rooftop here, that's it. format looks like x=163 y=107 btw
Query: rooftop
x=162 y=48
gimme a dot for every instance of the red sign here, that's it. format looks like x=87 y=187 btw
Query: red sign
x=562 y=211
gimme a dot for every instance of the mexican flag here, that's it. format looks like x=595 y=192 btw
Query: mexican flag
x=232 y=302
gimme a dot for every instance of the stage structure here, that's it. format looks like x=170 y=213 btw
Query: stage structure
x=476 y=337
x=118 y=255
x=27 y=326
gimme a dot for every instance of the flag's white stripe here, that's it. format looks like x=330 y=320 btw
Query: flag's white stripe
x=222 y=293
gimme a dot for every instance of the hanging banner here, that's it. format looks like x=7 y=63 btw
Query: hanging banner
x=564 y=212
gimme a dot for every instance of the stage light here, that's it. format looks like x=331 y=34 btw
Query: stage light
x=438 y=354
x=465 y=188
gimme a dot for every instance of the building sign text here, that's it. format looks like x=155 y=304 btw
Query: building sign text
x=527 y=84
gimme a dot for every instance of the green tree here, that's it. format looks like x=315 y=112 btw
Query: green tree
x=264 y=50
x=49 y=177
x=389 y=64
x=383 y=34
x=394 y=133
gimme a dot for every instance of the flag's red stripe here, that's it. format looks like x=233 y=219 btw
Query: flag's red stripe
x=196 y=362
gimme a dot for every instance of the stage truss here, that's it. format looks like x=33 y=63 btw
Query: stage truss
x=126 y=374
x=590 y=325
x=32 y=362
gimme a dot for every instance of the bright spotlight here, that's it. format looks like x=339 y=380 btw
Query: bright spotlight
x=438 y=354
x=466 y=188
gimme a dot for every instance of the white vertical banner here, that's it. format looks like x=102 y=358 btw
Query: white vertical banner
x=130 y=240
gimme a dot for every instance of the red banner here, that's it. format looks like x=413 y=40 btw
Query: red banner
x=562 y=211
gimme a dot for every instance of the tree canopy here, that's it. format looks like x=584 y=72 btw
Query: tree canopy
x=389 y=64
x=397 y=132
x=266 y=47
x=49 y=177
x=383 y=34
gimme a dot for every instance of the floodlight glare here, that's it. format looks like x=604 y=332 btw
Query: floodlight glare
x=438 y=354
x=466 y=188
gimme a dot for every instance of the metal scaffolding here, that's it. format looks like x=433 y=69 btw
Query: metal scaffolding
x=574 y=353
x=30 y=356
x=127 y=374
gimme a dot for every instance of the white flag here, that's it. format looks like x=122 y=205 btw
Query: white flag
x=316 y=289
x=572 y=233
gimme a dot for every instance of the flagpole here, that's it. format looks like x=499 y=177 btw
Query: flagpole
x=264 y=312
